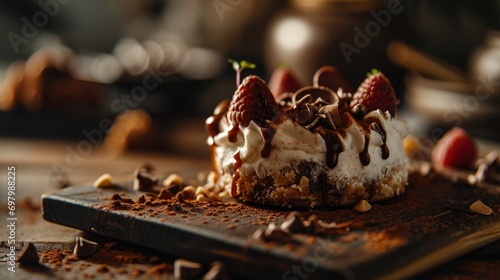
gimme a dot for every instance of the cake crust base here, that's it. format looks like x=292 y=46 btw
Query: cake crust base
x=287 y=189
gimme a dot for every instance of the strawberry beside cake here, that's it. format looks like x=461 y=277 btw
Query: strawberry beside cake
x=315 y=146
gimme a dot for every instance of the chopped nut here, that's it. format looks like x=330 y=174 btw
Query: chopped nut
x=223 y=194
x=363 y=206
x=480 y=208
x=188 y=192
x=173 y=179
x=304 y=181
x=412 y=145
x=425 y=169
x=472 y=179
x=104 y=181
x=202 y=197
x=202 y=191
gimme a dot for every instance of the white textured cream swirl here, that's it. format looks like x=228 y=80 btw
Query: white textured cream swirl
x=293 y=144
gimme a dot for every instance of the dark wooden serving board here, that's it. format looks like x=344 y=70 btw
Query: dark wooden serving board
x=428 y=225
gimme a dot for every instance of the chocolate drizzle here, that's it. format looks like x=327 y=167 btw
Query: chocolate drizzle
x=213 y=122
x=317 y=109
x=236 y=175
x=364 y=156
x=268 y=134
x=334 y=147
x=377 y=127
x=233 y=133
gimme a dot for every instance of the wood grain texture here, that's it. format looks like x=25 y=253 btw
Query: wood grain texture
x=425 y=227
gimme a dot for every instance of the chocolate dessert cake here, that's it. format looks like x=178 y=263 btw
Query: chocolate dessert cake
x=314 y=146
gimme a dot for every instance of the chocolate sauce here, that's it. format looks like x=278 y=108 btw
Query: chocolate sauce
x=212 y=125
x=233 y=133
x=236 y=175
x=334 y=147
x=364 y=156
x=377 y=127
x=213 y=122
x=268 y=134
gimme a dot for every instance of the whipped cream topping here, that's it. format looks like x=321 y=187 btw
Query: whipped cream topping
x=369 y=147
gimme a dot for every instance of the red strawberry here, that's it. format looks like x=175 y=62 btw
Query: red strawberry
x=375 y=93
x=455 y=149
x=283 y=80
x=252 y=101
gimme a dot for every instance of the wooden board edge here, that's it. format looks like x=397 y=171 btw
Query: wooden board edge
x=455 y=249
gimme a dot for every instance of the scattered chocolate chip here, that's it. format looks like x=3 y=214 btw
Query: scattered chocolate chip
x=84 y=248
x=273 y=233
x=185 y=269
x=217 y=272
x=312 y=225
x=359 y=111
x=28 y=254
x=293 y=223
x=115 y=196
x=143 y=180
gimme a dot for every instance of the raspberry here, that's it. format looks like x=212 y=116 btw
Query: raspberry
x=283 y=80
x=252 y=101
x=455 y=149
x=375 y=93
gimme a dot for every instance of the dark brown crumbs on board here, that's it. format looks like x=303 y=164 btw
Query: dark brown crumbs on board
x=53 y=256
x=294 y=224
x=102 y=269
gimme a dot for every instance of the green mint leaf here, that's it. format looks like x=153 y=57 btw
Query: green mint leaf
x=245 y=64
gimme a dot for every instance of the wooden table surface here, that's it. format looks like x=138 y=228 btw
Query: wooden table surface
x=34 y=161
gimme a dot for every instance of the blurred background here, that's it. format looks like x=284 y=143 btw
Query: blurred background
x=144 y=74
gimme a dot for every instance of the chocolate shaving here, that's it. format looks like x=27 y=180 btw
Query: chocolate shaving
x=84 y=248
x=185 y=269
x=143 y=180
x=28 y=254
x=217 y=271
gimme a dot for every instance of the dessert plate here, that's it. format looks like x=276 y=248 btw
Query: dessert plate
x=428 y=225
